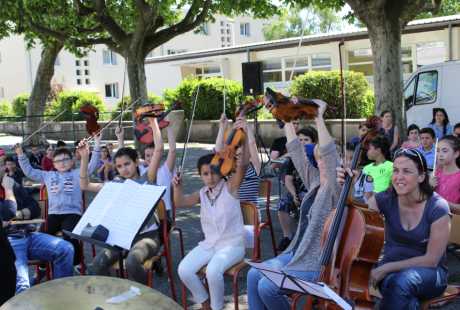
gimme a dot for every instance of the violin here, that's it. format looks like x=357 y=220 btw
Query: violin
x=287 y=109
x=148 y=110
x=143 y=132
x=352 y=240
x=91 y=114
x=224 y=162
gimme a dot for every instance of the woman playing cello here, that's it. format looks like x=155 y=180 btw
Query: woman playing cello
x=417 y=224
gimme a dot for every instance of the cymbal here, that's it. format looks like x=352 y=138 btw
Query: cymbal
x=88 y=292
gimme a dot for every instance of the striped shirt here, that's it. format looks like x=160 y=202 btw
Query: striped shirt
x=249 y=189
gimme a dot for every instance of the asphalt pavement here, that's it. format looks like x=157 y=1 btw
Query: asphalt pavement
x=188 y=219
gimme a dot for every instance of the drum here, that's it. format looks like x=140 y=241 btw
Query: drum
x=88 y=293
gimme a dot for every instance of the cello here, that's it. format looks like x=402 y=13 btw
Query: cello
x=352 y=240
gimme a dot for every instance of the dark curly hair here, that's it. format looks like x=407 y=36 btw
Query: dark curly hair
x=127 y=151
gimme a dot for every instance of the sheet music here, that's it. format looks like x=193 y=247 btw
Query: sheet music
x=299 y=284
x=121 y=208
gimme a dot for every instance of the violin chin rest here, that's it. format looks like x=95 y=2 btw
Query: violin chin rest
x=84 y=115
x=138 y=134
x=215 y=169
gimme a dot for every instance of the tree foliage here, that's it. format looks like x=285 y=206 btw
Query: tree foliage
x=290 y=23
x=326 y=85
x=20 y=104
x=448 y=7
x=6 y=110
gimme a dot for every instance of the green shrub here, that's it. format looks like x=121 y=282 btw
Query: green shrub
x=20 y=105
x=72 y=100
x=6 y=110
x=154 y=99
x=210 y=98
x=325 y=85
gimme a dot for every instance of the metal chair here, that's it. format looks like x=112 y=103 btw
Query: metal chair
x=264 y=191
x=250 y=217
x=161 y=209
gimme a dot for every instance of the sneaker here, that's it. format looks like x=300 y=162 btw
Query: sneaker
x=33 y=280
x=285 y=242
x=158 y=268
x=87 y=271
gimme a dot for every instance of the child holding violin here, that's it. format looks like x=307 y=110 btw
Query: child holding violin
x=64 y=192
x=417 y=227
x=249 y=189
x=147 y=243
x=222 y=224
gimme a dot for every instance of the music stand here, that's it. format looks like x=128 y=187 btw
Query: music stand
x=121 y=251
x=301 y=285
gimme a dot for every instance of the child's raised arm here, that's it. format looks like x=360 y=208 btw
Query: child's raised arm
x=85 y=184
x=158 y=153
x=235 y=181
x=180 y=200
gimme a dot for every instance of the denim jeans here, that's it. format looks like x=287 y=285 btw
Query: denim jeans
x=263 y=294
x=40 y=246
x=401 y=290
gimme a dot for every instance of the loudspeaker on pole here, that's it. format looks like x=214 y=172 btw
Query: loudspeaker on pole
x=253 y=84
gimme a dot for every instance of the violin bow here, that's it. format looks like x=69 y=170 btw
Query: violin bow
x=39 y=128
x=110 y=121
x=342 y=86
x=123 y=94
x=435 y=158
x=187 y=135
x=298 y=49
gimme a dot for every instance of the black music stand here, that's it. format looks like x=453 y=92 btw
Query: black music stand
x=121 y=251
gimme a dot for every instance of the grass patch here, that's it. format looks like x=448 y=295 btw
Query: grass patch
x=181 y=214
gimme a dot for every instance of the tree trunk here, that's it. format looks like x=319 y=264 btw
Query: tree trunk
x=40 y=91
x=137 y=87
x=385 y=37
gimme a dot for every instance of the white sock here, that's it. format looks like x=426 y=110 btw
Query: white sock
x=288 y=236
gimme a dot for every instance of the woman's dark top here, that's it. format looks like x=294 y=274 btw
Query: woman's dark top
x=391 y=133
x=401 y=244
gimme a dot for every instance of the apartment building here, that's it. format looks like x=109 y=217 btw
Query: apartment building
x=423 y=42
x=102 y=71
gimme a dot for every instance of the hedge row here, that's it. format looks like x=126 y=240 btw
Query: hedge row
x=324 y=85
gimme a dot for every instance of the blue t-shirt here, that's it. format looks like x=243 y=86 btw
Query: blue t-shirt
x=429 y=156
x=355 y=139
x=310 y=148
x=440 y=133
x=401 y=244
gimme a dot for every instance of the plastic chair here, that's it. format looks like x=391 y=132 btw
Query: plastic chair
x=161 y=209
x=264 y=191
x=250 y=217
x=35 y=262
x=44 y=195
x=451 y=292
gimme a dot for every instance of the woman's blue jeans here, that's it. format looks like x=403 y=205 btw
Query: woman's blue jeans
x=263 y=294
x=402 y=290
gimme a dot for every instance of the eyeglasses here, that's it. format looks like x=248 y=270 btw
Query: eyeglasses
x=63 y=161
x=410 y=152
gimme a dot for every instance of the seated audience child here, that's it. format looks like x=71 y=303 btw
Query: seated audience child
x=381 y=169
x=147 y=243
x=12 y=171
x=362 y=130
x=440 y=124
x=27 y=243
x=249 y=189
x=109 y=146
x=427 y=149
x=278 y=149
x=457 y=130
x=363 y=184
x=417 y=227
x=289 y=202
x=61 y=144
x=76 y=159
x=2 y=158
x=65 y=195
x=446 y=181
x=222 y=224
x=105 y=171
x=414 y=138
x=36 y=158
x=47 y=161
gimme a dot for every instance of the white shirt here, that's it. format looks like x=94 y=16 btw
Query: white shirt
x=362 y=186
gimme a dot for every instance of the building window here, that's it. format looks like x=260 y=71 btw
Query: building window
x=109 y=58
x=205 y=30
x=78 y=81
x=207 y=72
x=56 y=62
x=111 y=91
x=86 y=53
x=78 y=72
x=2 y=93
x=0 y=57
x=77 y=63
x=222 y=31
x=229 y=39
x=174 y=52
x=228 y=31
x=223 y=39
x=87 y=81
x=430 y=53
x=86 y=62
x=279 y=70
x=222 y=24
x=244 y=30
x=149 y=55
x=87 y=72
x=223 y=45
x=229 y=45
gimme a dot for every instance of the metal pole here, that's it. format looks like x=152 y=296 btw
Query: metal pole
x=249 y=55
x=223 y=65
x=450 y=41
x=73 y=126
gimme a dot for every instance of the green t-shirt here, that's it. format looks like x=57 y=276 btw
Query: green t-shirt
x=381 y=175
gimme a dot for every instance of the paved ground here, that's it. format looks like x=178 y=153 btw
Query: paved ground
x=188 y=219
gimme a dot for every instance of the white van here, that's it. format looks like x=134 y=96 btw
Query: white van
x=433 y=86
